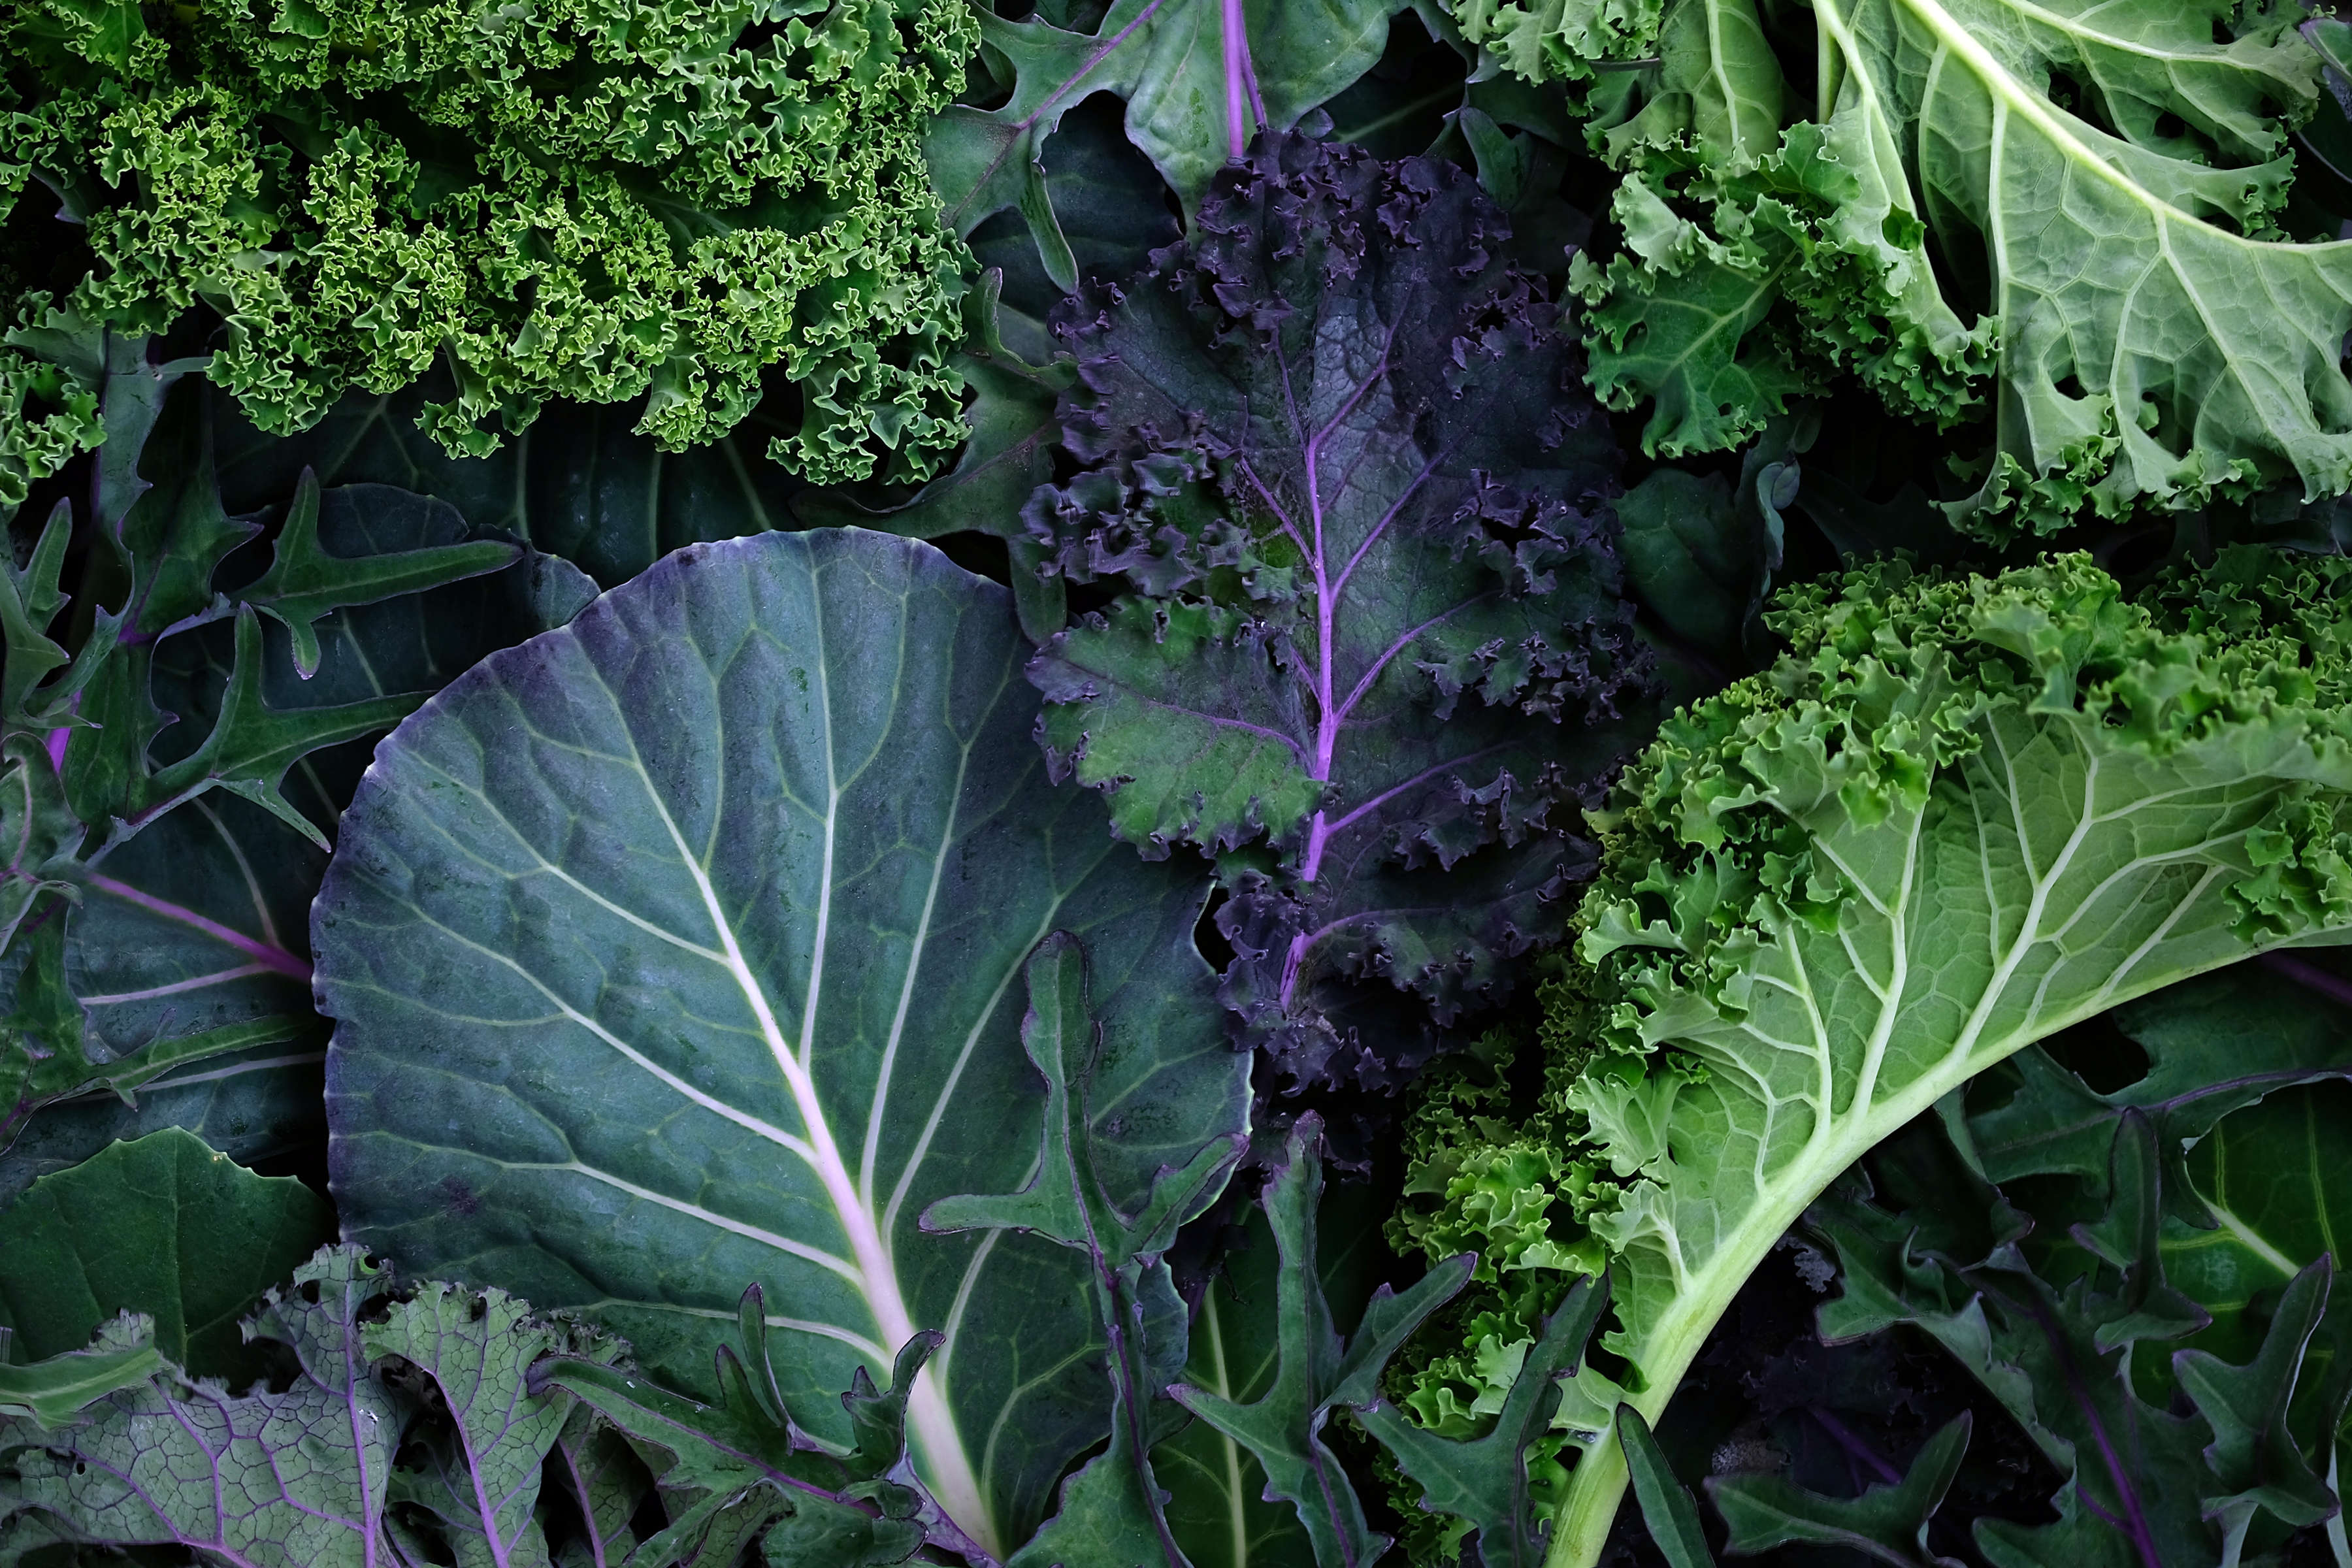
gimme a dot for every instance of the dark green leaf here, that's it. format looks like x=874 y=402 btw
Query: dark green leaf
x=162 y=1225
x=682 y=946
x=1668 y=1510
x=1888 y=1523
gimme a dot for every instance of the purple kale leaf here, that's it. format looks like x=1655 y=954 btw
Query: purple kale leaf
x=1376 y=643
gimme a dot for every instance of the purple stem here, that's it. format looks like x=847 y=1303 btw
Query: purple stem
x=1241 y=83
x=1848 y=1440
x=2334 y=987
x=264 y=953
x=2134 y=1525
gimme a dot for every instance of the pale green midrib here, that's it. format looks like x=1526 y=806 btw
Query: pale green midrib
x=1237 y=1520
x=1597 y=1484
x=1679 y=1336
x=2013 y=98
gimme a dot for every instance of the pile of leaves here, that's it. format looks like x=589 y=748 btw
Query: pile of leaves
x=1166 y=785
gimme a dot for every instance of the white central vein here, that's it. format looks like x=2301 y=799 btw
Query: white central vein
x=876 y=1274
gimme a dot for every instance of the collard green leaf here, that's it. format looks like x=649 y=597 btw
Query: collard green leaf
x=1960 y=814
x=682 y=946
x=1334 y=448
x=163 y=1227
x=169 y=1461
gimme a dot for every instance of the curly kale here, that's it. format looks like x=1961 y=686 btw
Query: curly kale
x=596 y=201
x=1376 y=644
x=1958 y=814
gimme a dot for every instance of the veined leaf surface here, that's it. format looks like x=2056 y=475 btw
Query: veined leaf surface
x=1960 y=815
x=682 y=948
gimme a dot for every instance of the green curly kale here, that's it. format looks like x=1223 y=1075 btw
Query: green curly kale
x=591 y=200
x=1957 y=815
x=2062 y=217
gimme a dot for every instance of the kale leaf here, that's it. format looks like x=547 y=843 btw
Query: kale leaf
x=1376 y=648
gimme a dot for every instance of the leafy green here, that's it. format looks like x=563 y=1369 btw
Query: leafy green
x=1959 y=814
x=164 y=762
x=1316 y=1374
x=2101 y=189
x=589 y=203
x=1560 y=40
x=1375 y=619
x=681 y=946
x=1195 y=95
x=1887 y=1521
x=163 y=1227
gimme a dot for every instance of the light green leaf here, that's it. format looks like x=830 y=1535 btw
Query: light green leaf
x=51 y=1393
x=683 y=946
x=1960 y=814
x=163 y=1226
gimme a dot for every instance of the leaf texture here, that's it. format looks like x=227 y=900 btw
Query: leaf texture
x=740 y=870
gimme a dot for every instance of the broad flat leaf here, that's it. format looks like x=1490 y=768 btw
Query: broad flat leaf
x=189 y=940
x=163 y=1226
x=1888 y=1522
x=1316 y=1373
x=252 y=1105
x=1366 y=519
x=1960 y=814
x=172 y=1461
x=1195 y=97
x=578 y=483
x=671 y=950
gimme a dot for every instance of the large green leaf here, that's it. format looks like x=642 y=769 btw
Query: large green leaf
x=162 y=1226
x=1960 y=815
x=682 y=947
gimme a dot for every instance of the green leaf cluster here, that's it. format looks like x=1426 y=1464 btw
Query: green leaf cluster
x=2066 y=222
x=1959 y=813
x=600 y=203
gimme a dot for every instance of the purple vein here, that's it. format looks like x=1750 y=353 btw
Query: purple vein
x=1389 y=516
x=1421 y=777
x=1241 y=81
x=2333 y=987
x=2134 y=1525
x=262 y=952
x=1272 y=505
x=1396 y=647
x=1051 y=98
